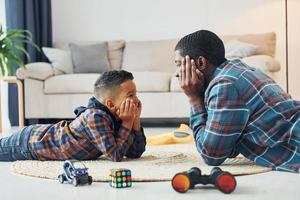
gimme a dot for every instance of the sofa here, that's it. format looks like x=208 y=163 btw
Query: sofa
x=50 y=92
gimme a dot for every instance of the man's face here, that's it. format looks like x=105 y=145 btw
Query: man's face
x=127 y=90
x=178 y=58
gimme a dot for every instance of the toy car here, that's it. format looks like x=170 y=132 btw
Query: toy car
x=76 y=173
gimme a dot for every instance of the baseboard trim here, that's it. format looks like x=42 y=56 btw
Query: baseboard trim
x=158 y=122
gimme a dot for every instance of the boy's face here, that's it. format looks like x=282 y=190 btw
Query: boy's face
x=127 y=90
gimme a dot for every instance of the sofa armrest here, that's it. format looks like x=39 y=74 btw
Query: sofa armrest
x=38 y=70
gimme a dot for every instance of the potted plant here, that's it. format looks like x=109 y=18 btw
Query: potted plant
x=12 y=48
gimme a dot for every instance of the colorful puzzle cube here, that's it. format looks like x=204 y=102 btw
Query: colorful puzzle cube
x=120 y=178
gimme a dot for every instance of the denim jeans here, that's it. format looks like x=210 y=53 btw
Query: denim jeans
x=16 y=146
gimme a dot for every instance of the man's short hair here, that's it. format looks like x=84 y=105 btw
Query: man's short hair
x=108 y=84
x=202 y=43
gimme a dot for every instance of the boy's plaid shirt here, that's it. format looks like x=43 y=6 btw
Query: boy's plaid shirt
x=90 y=135
x=246 y=112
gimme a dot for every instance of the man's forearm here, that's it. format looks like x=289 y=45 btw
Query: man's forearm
x=198 y=115
x=196 y=101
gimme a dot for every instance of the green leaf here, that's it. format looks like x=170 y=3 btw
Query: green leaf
x=12 y=48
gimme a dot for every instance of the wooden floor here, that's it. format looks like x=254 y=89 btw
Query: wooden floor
x=266 y=186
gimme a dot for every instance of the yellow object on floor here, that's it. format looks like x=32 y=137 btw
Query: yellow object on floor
x=182 y=134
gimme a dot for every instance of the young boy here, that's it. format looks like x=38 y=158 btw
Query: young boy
x=109 y=126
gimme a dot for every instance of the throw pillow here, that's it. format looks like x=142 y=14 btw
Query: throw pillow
x=238 y=49
x=115 y=53
x=90 y=58
x=60 y=60
x=154 y=56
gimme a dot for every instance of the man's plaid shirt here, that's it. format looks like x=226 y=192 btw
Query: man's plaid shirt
x=246 y=112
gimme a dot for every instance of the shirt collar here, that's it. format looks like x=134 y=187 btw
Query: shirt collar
x=219 y=69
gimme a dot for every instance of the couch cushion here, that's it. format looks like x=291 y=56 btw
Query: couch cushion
x=238 y=49
x=70 y=84
x=175 y=86
x=84 y=83
x=152 y=81
x=265 y=42
x=115 y=53
x=115 y=50
x=90 y=58
x=149 y=56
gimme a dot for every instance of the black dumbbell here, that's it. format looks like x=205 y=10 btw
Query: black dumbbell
x=223 y=180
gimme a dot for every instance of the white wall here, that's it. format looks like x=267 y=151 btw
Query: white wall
x=294 y=47
x=77 y=20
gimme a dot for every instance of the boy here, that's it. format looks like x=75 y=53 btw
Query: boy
x=109 y=126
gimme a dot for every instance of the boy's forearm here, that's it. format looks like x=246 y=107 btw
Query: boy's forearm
x=127 y=125
x=137 y=125
x=137 y=148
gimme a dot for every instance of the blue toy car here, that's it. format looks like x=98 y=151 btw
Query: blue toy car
x=76 y=173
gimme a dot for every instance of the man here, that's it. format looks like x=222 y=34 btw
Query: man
x=236 y=108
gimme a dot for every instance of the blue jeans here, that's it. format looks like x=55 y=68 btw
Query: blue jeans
x=16 y=146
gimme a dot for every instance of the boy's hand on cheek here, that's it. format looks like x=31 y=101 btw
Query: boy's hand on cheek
x=138 y=109
x=137 y=121
x=127 y=113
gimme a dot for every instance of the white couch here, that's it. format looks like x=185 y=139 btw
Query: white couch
x=49 y=94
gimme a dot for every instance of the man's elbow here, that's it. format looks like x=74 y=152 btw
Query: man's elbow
x=213 y=162
x=210 y=156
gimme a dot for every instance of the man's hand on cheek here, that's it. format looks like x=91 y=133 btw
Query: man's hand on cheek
x=191 y=79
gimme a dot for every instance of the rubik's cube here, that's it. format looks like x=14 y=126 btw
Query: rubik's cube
x=120 y=178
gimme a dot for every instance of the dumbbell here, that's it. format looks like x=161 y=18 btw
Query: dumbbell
x=223 y=180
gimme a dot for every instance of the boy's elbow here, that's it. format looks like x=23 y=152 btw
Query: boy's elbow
x=140 y=153
x=116 y=158
x=135 y=155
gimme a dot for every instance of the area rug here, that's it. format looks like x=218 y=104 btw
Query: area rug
x=158 y=163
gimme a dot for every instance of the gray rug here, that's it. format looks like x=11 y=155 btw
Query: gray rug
x=158 y=163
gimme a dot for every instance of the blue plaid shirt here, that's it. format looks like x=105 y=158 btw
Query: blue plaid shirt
x=244 y=111
x=94 y=132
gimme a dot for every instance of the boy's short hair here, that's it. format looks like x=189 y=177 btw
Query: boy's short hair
x=108 y=84
x=202 y=43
